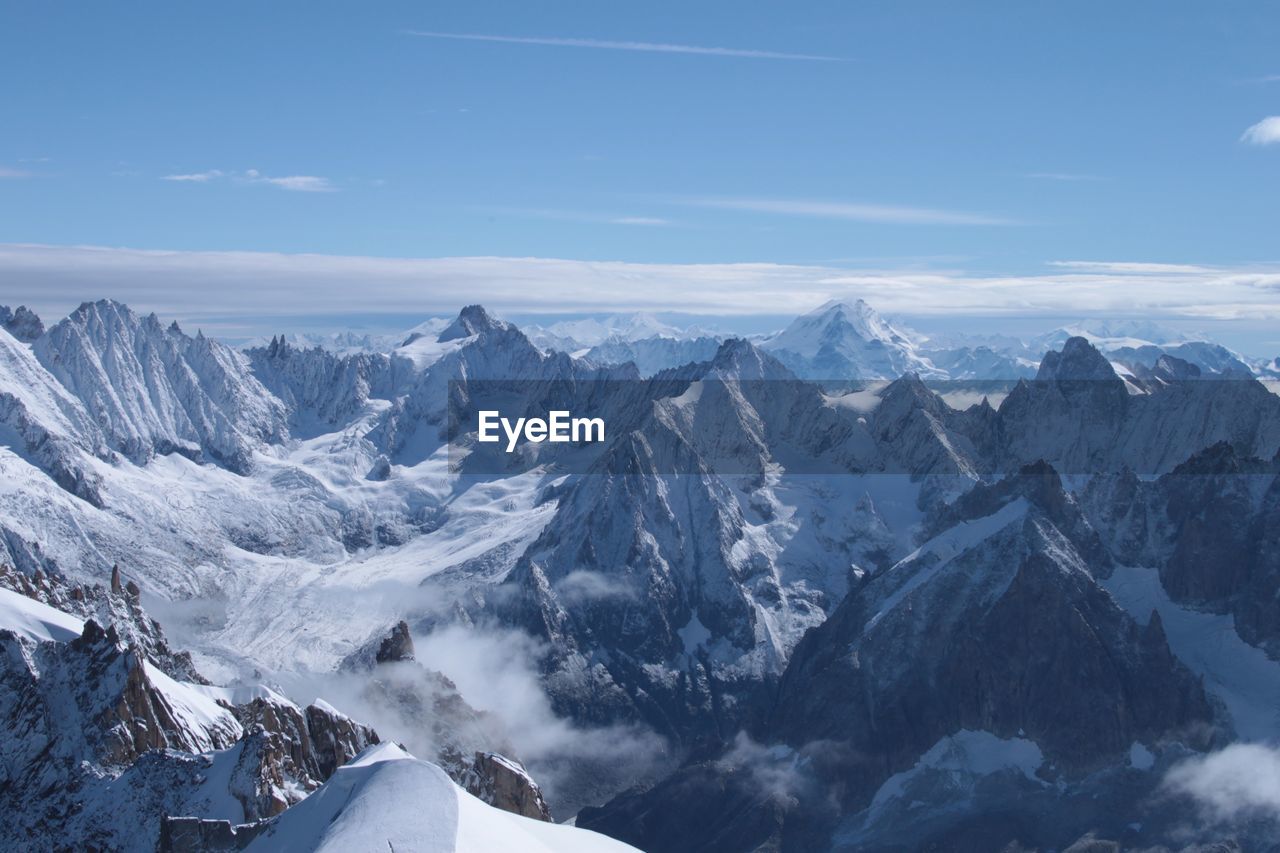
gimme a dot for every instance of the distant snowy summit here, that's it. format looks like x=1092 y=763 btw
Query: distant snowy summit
x=841 y=340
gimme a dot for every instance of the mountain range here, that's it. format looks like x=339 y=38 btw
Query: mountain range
x=838 y=587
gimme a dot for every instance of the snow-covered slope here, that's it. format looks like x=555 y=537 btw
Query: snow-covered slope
x=36 y=621
x=155 y=390
x=847 y=340
x=385 y=799
x=655 y=354
x=578 y=336
x=45 y=423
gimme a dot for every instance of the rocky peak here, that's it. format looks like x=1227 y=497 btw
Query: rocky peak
x=1171 y=368
x=472 y=320
x=1219 y=459
x=908 y=392
x=397 y=646
x=22 y=323
x=154 y=391
x=1078 y=360
x=739 y=359
x=117 y=606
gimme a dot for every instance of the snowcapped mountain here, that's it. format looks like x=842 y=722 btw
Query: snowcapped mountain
x=847 y=340
x=352 y=343
x=1114 y=334
x=576 y=336
x=655 y=354
x=957 y=639
x=679 y=605
x=153 y=389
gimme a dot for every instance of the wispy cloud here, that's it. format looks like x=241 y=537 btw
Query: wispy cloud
x=200 y=287
x=1064 y=176
x=853 y=211
x=294 y=183
x=1265 y=132
x=639 y=220
x=195 y=177
x=579 y=216
x=642 y=46
x=1136 y=268
x=6 y=172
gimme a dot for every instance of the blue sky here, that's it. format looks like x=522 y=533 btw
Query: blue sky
x=974 y=141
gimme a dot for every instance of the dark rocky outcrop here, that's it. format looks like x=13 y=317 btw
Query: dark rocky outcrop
x=470 y=745
x=23 y=323
x=996 y=625
x=1210 y=527
x=504 y=783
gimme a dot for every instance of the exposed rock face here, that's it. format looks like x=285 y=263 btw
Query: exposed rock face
x=102 y=743
x=117 y=607
x=996 y=625
x=396 y=646
x=1210 y=527
x=94 y=699
x=504 y=783
x=193 y=835
x=463 y=738
x=1079 y=416
x=1011 y=636
x=676 y=600
x=336 y=738
x=322 y=390
x=288 y=750
x=472 y=320
x=22 y=323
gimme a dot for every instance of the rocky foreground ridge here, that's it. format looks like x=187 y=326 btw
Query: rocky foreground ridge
x=115 y=742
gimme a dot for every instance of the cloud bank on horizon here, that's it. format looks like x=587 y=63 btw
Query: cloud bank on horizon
x=241 y=287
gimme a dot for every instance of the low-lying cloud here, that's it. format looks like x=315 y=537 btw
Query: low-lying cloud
x=1241 y=781
x=496 y=672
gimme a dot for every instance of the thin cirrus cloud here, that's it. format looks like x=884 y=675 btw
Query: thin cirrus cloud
x=851 y=211
x=641 y=46
x=1265 y=132
x=1064 y=176
x=312 y=290
x=6 y=172
x=578 y=216
x=293 y=183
